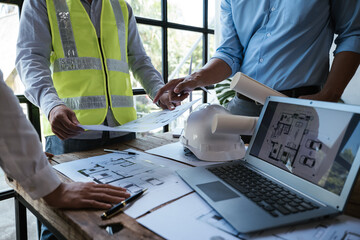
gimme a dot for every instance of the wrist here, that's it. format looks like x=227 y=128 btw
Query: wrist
x=52 y=198
x=199 y=78
x=330 y=95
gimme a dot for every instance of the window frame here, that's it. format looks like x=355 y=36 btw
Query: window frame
x=164 y=24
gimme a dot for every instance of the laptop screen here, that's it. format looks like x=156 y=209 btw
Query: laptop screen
x=316 y=144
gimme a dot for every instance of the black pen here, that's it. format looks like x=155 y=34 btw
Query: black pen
x=118 y=151
x=118 y=207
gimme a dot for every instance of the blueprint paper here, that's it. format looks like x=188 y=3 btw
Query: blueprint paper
x=176 y=151
x=340 y=228
x=133 y=172
x=188 y=218
x=195 y=219
x=149 y=122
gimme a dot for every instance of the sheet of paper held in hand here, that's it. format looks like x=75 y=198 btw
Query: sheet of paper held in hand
x=146 y=123
x=133 y=172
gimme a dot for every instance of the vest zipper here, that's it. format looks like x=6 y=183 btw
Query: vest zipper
x=106 y=76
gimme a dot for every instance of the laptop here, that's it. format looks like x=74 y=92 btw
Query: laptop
x=301 y=165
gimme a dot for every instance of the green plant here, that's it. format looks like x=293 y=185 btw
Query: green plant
x=223 y=92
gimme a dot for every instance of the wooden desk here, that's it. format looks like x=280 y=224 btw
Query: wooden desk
x=86 y=224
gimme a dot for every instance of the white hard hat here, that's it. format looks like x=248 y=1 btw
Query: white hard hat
x=204 y=144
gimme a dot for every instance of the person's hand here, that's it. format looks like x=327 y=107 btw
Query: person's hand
x=165 y=103
x=49 y=156
x=64 y=122
x=322 y=96
x=85 y=195
x=179 y=88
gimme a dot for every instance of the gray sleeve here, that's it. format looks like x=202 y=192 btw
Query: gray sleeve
x=33 y=51
x=139 y=62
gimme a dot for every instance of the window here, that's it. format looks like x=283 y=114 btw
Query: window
x=173 y=32
x=9 y=22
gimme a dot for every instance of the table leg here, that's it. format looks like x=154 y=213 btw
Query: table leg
x=21 y=221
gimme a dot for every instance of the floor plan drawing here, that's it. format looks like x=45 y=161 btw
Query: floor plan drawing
x=295 y=144
x=133 y=172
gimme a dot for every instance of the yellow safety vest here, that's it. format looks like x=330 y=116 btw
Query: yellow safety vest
x=89 y=76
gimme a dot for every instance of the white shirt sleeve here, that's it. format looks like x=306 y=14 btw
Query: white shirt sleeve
x=21 y=154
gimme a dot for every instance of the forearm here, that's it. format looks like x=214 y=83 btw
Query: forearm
x=342 y=70
x=139 y=62
x=147 y=75
x=216 y=70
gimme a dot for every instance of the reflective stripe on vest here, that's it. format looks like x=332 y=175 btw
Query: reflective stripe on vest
x=85 y=91
x=93 y=102
x=117 y=66
x=119 y=18
x=66 y=31
x=85 y=63
x=77 y=63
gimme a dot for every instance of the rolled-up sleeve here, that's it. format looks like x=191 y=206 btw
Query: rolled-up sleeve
x=21 y=154
x=140 y=63
x=346 y=21
x=230 y=49
x=33 y=51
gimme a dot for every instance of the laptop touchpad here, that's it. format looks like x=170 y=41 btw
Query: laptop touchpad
x=217 y=191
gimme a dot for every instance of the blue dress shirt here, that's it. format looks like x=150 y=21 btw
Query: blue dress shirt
x=285 y=44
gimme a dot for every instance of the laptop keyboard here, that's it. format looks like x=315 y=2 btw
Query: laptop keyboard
x=273 y=198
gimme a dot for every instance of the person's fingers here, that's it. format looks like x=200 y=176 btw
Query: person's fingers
x=169 y=105
x=70 y=122
x=75 y=121
x=59 y=128
x=106 y=193
x=174 y=97
x=186 y=86
x=168 y=87
x=49 y=156
x=62 y=132
x=59 y=134
x=85 y=195
x=64 y=122
x=87 y=203
x=109 y=186
x=165 y=102
x=182 y=97
x=111 y=192
x=105 y=198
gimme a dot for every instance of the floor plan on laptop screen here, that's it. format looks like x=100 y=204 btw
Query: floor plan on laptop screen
x=316 y=144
